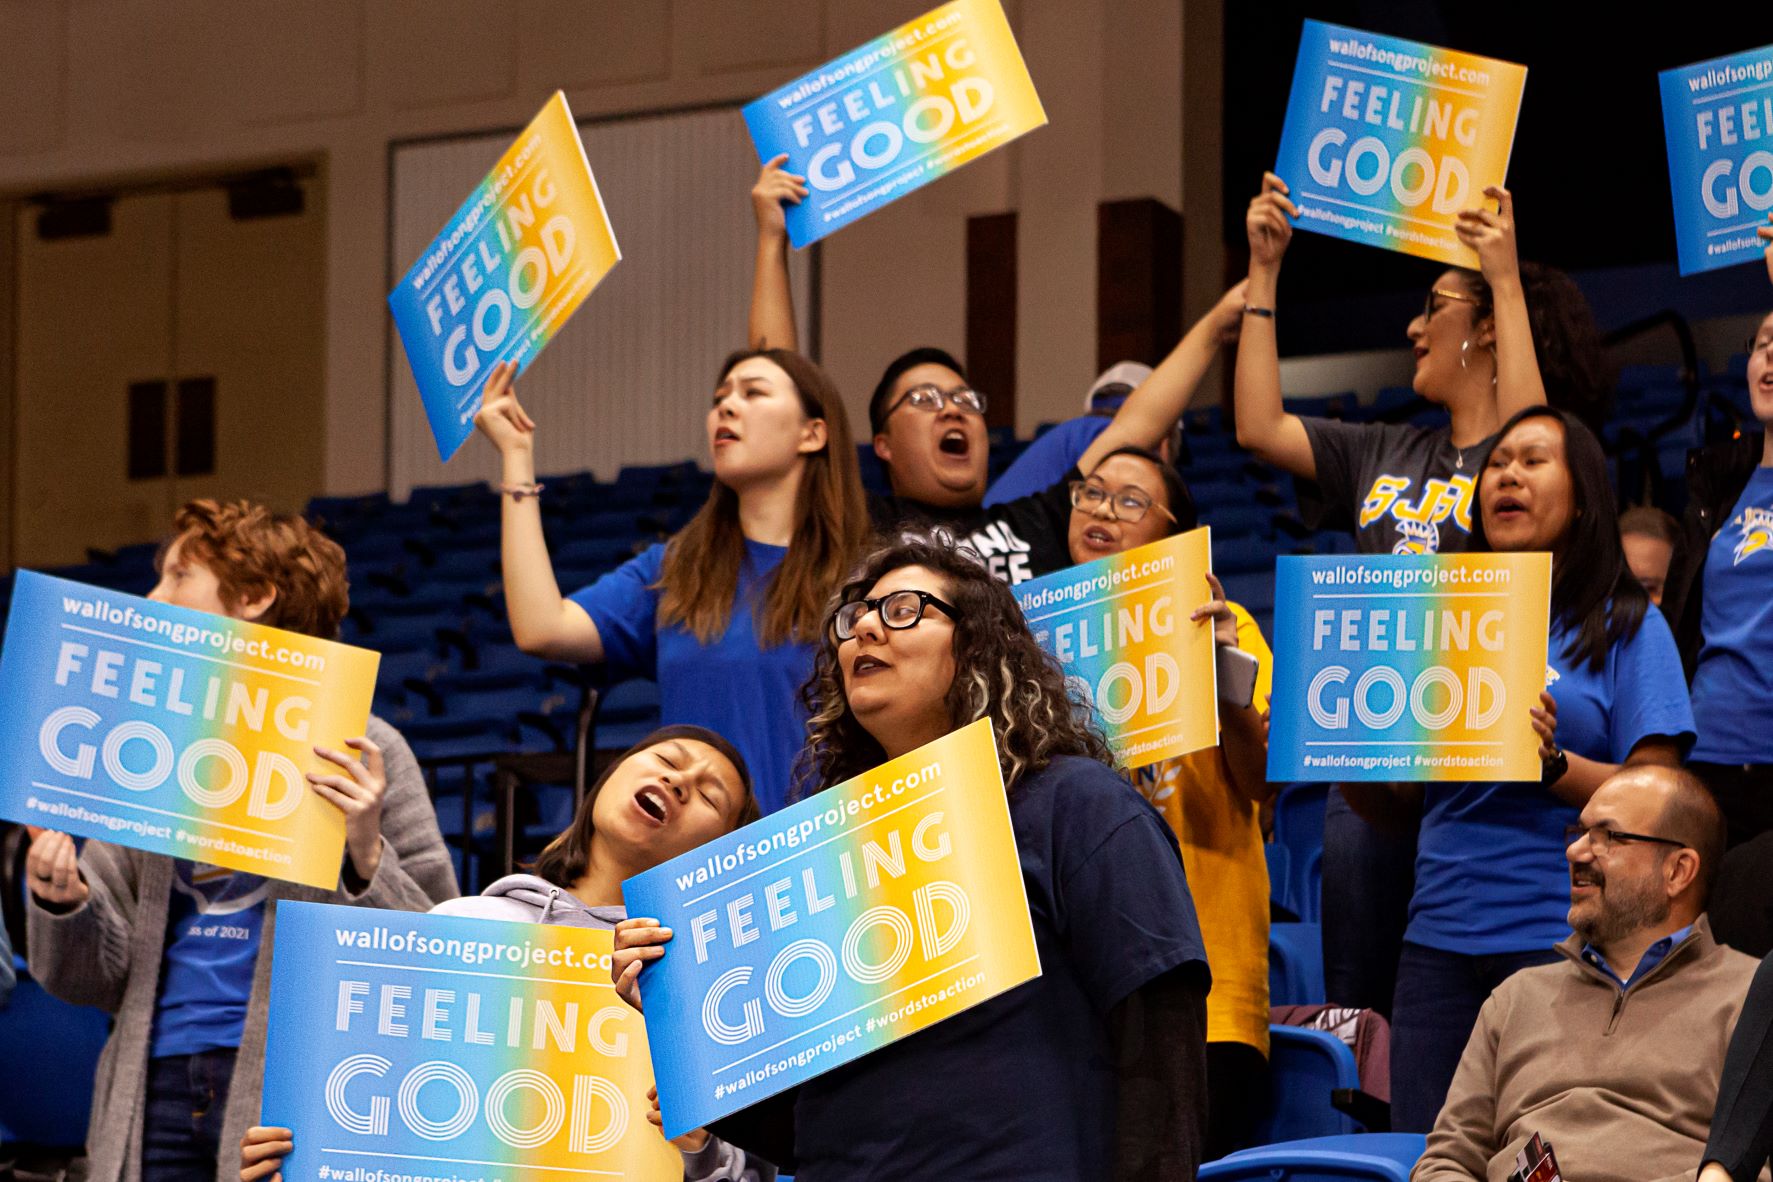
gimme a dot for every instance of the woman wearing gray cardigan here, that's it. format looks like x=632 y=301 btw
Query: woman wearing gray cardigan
x=178 y=952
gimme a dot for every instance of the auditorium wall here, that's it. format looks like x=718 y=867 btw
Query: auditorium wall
x=104 y=92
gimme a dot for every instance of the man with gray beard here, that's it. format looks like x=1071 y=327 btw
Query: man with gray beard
x=1613 y=1055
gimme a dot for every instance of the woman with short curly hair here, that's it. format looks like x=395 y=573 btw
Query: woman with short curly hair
x=126 y=930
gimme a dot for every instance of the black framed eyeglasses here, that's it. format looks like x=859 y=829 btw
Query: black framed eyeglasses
x=1127 y=504
x=934 y=399
x=898 y=610
x=1601 y=837
x=1430 y=306
x=1758 y=344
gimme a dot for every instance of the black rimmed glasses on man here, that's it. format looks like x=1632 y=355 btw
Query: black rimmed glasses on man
x=1601 y=837
x=898 y=610
x=934 y=399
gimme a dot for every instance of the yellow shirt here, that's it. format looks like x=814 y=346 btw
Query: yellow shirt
x=1221 y=839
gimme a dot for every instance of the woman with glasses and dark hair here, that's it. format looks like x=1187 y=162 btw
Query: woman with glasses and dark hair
x=725 y=614
x=1095 y=1068
x=1487 y=343
x=1212 y=799
x=1492 y=885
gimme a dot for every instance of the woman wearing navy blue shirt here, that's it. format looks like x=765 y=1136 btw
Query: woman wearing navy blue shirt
x=1492 y=885
x=724 y=615
x=1095 y=1069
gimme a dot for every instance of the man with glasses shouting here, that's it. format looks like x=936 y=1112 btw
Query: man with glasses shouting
x=1613 y=1055
x=929 y=432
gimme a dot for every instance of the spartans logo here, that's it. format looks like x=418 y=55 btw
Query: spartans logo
x=1757 y=533
x=1417 y=537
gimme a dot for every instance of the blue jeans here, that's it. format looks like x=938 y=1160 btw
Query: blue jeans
x=182 y=1124
x=1369 y=875
x=1439 y=995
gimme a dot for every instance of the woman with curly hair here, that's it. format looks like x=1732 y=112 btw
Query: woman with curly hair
x=1097 y=1067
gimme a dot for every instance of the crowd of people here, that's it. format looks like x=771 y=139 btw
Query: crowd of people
x=1543 y=951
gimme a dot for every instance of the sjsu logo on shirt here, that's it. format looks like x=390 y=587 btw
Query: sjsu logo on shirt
x=1418 y=522
x=1757 y=532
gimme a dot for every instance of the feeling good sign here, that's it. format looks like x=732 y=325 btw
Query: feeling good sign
x=1419 y=667
x=1386 y=140
x=175 y=731
x=440 y=1047
x=515 y=262
x=1718 y=116
x=832 y=928
x=1120 y=626
x=888 y=117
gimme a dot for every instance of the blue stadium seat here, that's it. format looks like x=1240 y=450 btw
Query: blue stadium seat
x=1255 y=591
x=873 y=472
x=1242 y=556
x=334 y=511
x=1238 y=518
x=1635 y=377
x=1295 y=964
x=63 y=1042
x=1324 y=405
x=1391 y=398
x=626 y=714
x=1205 y=464
x=1367 y=1157
x=1305 y=1067
x=600 y=552
x=1212 y=494
x=1299 y=828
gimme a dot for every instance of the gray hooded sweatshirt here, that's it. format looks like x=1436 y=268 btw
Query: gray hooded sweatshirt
x=525 y=898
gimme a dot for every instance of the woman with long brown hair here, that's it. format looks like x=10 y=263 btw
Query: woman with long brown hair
x=1096 y=1068
x=725 y=614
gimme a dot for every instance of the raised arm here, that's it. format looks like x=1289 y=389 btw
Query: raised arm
x=772 y=300
x=1263 y=424
x=543 y=622
x=1152 y=409
x=1518 y=381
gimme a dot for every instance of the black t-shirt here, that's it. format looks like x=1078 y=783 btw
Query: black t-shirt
x=1019 y=540
x=1024 y=1085
x=1403 y=489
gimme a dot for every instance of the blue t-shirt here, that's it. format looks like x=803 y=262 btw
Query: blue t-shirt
x=1047 y=460
x=747 y=694
x=213 y=926
x=1733 y=687
x=1490 y=870
x=1024 y=1085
